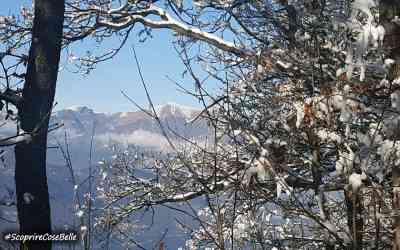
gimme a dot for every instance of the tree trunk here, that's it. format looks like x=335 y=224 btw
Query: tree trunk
x=355 y=220
x=33 y=203
x=388 y=9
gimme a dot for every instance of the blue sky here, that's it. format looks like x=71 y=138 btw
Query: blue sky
x=101 y=89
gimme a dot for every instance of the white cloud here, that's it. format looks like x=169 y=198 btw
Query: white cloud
x=139 y=137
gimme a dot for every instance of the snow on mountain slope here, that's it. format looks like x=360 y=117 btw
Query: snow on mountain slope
x=79 y=120
x=176 y=110
x=125 y=128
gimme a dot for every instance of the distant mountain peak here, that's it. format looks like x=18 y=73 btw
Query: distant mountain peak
x=175 y=109
x=80 y=109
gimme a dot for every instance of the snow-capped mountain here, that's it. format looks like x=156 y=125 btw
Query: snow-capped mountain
x=174 y=109
x=136 y=127
x=79 y=121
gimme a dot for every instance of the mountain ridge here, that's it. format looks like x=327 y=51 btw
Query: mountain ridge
x=80 y=119
x=80 y=123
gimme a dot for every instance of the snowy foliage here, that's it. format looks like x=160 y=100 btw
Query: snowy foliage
x=304 y=130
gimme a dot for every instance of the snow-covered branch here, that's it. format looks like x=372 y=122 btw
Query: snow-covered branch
x=121 y=18
x=21 y=137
